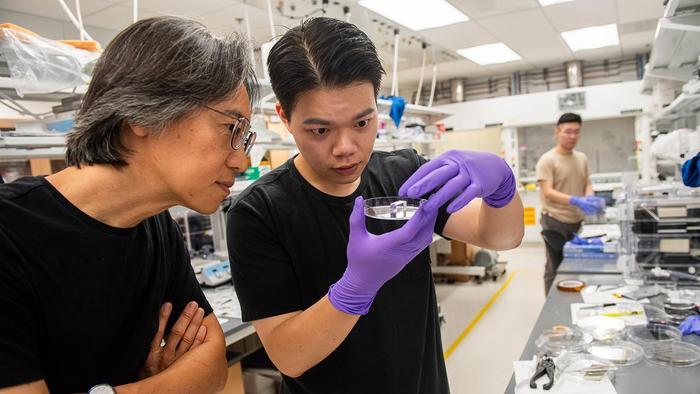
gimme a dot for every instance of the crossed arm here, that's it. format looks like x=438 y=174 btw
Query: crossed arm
x=193 y=359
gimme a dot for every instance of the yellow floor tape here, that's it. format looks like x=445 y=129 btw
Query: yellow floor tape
x=478 y=317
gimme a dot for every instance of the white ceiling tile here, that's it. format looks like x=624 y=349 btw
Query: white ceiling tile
x=639 y=10
x=636 y=43
x=184 y=8
x=476 y=9
x=599 y=54
x=530 y=34
x=52 y=9
x=517 y=22
x=579 y=14
x=460 y=35
x=115 y=18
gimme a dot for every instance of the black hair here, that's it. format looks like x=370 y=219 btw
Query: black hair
x=569 y=117
x=321 y=52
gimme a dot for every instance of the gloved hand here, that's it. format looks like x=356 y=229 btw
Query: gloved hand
x=576 y=240
x=589 y=205
x=462 y=175
x=691 y=325
x=374 y=259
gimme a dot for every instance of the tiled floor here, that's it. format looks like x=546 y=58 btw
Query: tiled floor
x=480 y=362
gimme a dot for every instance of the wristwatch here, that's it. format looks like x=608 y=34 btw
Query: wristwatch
x=102 y=389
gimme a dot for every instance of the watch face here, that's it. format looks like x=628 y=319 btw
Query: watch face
x=102 y=389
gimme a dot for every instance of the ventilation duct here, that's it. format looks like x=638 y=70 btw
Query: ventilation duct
x=574 y=74
x=457 y=89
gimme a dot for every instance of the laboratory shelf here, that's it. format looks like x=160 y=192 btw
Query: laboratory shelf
x=676 y=44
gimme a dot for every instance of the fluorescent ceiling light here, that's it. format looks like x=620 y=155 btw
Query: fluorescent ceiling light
x=417 y=14
x=490 y=54
x=545 y=3
x=591 y=37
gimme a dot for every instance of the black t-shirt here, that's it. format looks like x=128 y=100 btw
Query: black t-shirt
x=287 y=243
x=79 y=299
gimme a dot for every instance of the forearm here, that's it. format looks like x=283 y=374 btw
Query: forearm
x=501 y=228
x=302 y=341
x=557 y=196
x=200 y=370
x=589 y=190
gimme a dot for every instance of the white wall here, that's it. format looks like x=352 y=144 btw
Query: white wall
x=618 y=136
x=602 y=102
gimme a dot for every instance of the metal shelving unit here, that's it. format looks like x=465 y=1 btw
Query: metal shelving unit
x=676 y=45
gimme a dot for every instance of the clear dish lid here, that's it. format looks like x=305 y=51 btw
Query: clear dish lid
x=556 y=341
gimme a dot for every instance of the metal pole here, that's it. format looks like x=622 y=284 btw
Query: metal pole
x=422 y=74
x=395 y=76
x=270 y=18
x=432 y=87
x=80 y=19
x=250 y=36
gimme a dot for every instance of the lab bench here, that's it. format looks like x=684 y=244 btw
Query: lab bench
x=227 y=309
x=588 y=266
x=641 y=378
x=241 y=339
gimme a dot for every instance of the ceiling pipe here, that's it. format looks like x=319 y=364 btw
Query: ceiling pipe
x=574 y=74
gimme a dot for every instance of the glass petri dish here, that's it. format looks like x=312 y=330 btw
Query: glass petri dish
x=392 y=208
x=678 y=311
x=674 y=354
x=653 y=332
x=621 y=353
x=585 y=367
x=556 y=341
x=602 y=328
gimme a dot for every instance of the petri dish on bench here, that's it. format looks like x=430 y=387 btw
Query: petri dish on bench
x=392 y=208
x=674 y=353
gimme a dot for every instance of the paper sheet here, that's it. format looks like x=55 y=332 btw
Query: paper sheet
x=599 y=294
x=630 y=320
x=524 y=369
x=224 y=301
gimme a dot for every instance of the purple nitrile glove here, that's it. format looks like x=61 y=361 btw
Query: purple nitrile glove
x=691 y=325
x=462 y=175
x=374 y=259
x=589 y=205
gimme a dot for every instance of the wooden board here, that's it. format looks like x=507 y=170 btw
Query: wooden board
x=234 y=384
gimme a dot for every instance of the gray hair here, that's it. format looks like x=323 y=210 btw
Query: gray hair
x=153 y=73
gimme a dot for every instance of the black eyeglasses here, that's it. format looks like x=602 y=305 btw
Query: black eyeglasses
x=241 y=134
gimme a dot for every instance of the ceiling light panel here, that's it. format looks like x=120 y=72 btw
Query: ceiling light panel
x=545 y=3
x=490 y=54
x=592 y=37
x=416 y=14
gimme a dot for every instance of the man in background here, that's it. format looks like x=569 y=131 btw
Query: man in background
x=565 y=191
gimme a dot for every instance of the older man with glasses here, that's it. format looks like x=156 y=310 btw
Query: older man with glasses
x=97 y=291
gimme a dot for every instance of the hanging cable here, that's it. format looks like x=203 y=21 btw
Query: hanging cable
x=80 y=19
x=424 y=45
x=395 y=74
x=346 y=13
x=324 y=6
x=432 y=87
x=72 y=18
x=136 y=10
x=246 y=19
x=270 y=18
